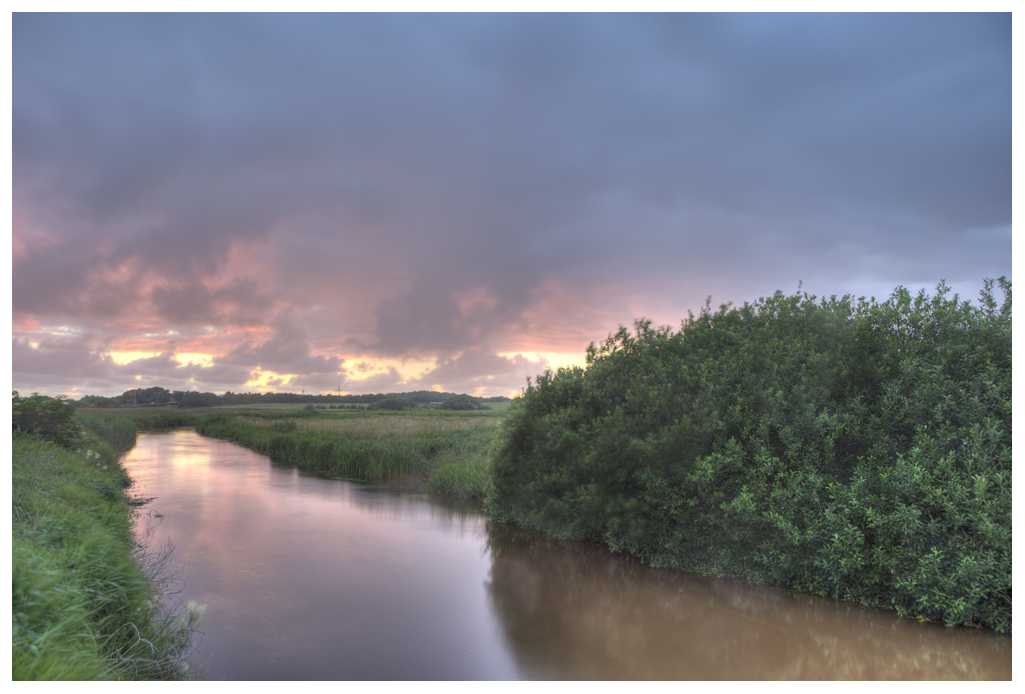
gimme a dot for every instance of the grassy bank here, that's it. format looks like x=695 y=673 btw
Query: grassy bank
x=848 y=448
x=107 y=423
x=448 y=450
x=87 y=603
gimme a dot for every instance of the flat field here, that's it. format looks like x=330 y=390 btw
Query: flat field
x=446 y=450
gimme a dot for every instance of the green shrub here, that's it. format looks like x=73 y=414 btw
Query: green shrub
x=50 y=418
x=849 y=448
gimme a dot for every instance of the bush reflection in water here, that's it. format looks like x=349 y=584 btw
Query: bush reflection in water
x=570 y=611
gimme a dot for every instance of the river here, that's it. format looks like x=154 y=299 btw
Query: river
x=311 y=578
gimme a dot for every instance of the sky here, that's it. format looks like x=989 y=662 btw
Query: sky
x=365 y=203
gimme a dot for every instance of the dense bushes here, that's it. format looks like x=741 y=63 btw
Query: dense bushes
x=49 y=418
x=854 y=449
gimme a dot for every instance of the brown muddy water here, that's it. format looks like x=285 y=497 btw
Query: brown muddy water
x=310 y=578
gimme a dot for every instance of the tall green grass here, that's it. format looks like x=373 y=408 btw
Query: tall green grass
x=144 y=419
x=119 y=430
x=464 y=470
x=449 y=453
x=116 y=430
x=87 y=602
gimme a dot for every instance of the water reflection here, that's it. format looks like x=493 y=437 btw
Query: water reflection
x=313 y=578
x=574 y=611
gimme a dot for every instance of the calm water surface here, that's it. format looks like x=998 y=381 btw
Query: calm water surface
x=320 y=579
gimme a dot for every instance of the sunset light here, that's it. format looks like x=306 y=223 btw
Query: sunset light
x=572 y=342
x=463 y=223
x=186 y=358
x=264 y=380
x=122 y=358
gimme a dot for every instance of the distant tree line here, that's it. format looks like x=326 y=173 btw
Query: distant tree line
x=179 y=398
x=135 y=396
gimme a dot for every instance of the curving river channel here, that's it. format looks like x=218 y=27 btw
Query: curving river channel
x=311 y=578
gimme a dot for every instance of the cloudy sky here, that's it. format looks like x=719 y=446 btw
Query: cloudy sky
x=382 y=203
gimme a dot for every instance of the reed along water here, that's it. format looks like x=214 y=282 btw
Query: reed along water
x=311 y=578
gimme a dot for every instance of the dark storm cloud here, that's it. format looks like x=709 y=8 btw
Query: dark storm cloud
x=444 y=167
x=238 y=303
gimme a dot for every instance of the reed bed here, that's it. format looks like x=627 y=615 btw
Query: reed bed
x=116 y=430
x=143 y=419
x=371 y=448
x=464 y=471
x=394 y=426
x=119 y=430
x=162 y=419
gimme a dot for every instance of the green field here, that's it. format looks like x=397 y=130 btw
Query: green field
x=447 y=450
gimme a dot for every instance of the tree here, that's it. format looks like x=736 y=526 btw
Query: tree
x=463 y=402
x=392 y=404
x=196 y=399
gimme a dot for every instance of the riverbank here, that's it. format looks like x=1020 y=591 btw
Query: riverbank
x=446 y=450
x=841 y=447
x=313 y=578
x=87 y=602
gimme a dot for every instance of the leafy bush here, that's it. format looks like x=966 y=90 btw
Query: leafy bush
x=50 y=418
x=849 y=448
